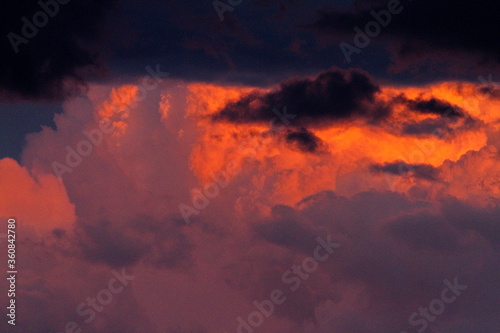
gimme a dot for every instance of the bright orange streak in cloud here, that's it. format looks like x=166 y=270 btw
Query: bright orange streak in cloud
x=217 y=143
x=117 y=107
x=165 y=105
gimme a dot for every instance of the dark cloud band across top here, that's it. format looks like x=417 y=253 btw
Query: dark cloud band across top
x=458 y=27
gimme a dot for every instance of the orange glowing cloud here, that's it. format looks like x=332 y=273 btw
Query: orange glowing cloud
x=39 y=201
x=474 y=178
x=116 y=108
x=205 y=99
x=287 y=175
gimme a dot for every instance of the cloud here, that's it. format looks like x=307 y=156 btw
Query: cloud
x=55 y=283
x=490 y=91
x=434 y=106
x=391 y=243
x=423 y=28
x=333 y=96
x=304 y=140
x=414 y=242
x=68 y=52
x=37 y=200
x=284 y=230
x=466 y=183
x=423 y=171
x=203 y=276
x=55 y=60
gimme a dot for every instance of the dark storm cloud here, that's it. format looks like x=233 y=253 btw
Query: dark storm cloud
x=53 y=60
x=439 y=127
x=460 y=27
x=434 y=106
x=423 y=171
x=334 y=95
x=304 y=140
x=451 y=118
x=83 y=41
x=97 y=40
x=339 y=95
x=190 y=37
x=259 y=42
x=429 y=126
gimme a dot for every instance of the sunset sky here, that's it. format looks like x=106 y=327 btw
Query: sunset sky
x=248 y=166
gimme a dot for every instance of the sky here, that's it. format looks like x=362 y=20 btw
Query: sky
x=246 y=166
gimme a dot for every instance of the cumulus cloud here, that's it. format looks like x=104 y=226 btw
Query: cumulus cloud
x=398 y=243
x=269 y=150
x=38 y=201
x=420 y=247
x=433 y=106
